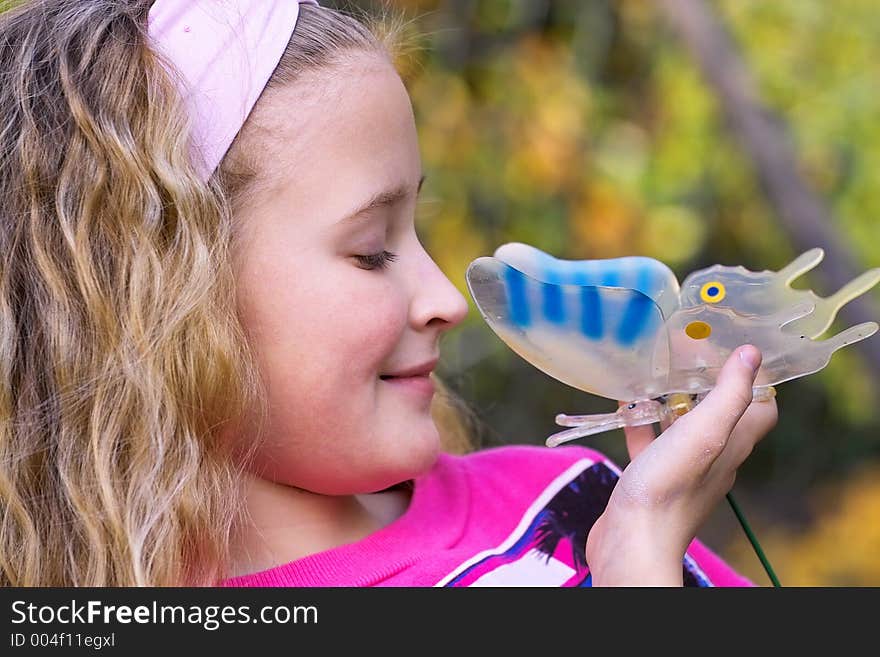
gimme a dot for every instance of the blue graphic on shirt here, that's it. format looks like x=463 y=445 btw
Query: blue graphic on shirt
x=548 y=547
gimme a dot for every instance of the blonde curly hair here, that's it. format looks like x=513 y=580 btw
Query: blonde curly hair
x=124 y=371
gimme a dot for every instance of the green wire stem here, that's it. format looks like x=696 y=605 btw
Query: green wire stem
x=753 y=540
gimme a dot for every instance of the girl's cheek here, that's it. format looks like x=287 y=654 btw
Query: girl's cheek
x=381 y=315
x=373 y=309
x=384 y=319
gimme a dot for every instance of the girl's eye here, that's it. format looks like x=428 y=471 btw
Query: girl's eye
x=376 y=260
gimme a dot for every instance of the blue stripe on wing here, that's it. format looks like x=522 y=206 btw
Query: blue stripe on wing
x=639 y=310
x=553 y=306
x=591 y=324
x=646 y=280
x=647 y=275
x=554 y=309
x=631 y=325
x=610 y=276
x=591 y=313
x=517 y=299
x=635 y=319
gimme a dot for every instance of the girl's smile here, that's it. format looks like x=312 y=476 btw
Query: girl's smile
x=420 y=385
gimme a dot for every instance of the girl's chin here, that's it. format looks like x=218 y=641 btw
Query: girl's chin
x=417 y=452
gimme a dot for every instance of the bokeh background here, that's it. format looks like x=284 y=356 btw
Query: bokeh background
x=695 y=132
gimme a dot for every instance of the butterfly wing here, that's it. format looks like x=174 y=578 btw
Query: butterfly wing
x=766 y=292
x=703 y=337
x=607 y=341
x=646 y=275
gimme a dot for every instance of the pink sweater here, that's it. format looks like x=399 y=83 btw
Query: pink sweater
x=505 y=516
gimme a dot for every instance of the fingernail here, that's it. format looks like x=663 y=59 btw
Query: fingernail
x=751 y=357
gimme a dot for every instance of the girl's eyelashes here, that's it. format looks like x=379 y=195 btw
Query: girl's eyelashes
x=376 y=260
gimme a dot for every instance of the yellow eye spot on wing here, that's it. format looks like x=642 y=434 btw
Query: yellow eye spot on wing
x=698 y=330
x=712 y=292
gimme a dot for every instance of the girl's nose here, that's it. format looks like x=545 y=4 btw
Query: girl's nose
x=436 y=301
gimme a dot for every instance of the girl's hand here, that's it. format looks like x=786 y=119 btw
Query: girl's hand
x=674 y=481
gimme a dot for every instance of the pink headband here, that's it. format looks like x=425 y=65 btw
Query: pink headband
x=226 y=51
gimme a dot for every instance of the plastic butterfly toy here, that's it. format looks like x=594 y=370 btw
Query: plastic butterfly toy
x=625 y=329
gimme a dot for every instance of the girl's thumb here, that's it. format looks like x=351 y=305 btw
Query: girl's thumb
x=714 y=418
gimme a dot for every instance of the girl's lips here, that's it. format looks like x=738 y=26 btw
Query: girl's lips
x=418 y=370
x=421 y=385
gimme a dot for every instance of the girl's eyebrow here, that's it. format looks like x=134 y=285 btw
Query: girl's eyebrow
x=382 y=199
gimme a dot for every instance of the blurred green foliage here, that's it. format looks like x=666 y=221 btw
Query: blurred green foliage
x=585 y=129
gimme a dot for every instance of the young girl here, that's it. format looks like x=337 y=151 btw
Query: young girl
x=218 y=329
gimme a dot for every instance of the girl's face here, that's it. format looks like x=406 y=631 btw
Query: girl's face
x=330 y=319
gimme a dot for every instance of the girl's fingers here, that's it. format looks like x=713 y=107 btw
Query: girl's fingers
x=756 y=422
x=637 y=438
